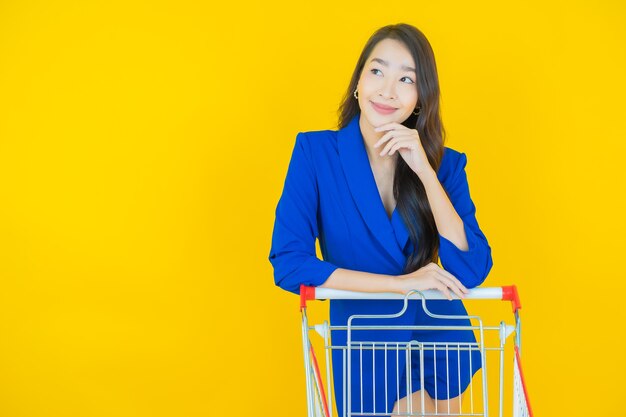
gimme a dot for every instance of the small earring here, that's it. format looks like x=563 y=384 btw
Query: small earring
x=355 y=95
x=418 y=111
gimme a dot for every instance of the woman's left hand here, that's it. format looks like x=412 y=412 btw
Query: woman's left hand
x=408 y=144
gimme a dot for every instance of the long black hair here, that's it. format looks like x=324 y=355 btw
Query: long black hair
x=408 y=190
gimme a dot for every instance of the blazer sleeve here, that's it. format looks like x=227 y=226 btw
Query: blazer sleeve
x=292 y=252
x=471 y=267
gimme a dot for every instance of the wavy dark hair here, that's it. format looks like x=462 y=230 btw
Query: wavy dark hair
x=408 y=190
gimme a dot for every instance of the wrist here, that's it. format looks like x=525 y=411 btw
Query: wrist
x=393 y=283
x=427 y=175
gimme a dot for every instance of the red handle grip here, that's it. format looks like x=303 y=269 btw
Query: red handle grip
x=509 y=293
x=306 y=293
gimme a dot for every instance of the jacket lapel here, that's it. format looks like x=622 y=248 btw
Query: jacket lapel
x=393 y=234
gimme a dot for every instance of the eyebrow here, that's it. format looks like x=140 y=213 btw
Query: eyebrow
x=385 y=63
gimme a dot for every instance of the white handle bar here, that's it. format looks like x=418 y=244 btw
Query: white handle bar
x=508 y=293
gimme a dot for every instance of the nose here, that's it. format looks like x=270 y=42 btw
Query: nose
x=388 y=89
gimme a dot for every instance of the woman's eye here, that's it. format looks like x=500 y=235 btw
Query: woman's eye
x=376 y=69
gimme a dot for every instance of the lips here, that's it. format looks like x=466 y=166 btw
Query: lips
x=381 y=108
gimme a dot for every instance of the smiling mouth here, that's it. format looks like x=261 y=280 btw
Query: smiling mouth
x=382 y=108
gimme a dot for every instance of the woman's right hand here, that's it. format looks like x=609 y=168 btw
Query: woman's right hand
x=428 y=277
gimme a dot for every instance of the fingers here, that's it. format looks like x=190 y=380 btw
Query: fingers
x=387 y=137
x=432 y=276
x=456 y=286
x=452 y=277
x=399 y=145
x=394 y=144
x=453 y=286
x=383 y=139
x=444 y=289
x=388 y=146
x=390 y=125
x=448 y=281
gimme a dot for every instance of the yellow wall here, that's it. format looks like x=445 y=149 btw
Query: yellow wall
x=143 y=148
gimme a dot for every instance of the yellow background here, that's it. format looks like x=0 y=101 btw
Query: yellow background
x=143 y=149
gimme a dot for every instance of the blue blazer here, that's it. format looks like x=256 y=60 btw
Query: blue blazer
x=330 y=193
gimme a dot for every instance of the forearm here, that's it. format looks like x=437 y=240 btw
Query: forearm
x=350 y=280
x=449 y=223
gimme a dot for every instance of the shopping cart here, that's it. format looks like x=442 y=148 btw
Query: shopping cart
x=490 y=341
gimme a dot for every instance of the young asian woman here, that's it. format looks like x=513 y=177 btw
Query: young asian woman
x=386 y=199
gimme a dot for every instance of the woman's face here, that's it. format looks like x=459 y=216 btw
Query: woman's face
x=388 y=79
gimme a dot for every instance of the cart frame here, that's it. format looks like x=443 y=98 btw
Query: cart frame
x=319 y=400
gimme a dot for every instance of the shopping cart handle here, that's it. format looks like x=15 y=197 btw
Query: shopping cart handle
x=506 y=293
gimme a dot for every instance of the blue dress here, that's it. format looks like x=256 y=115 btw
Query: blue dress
x=330 y=193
